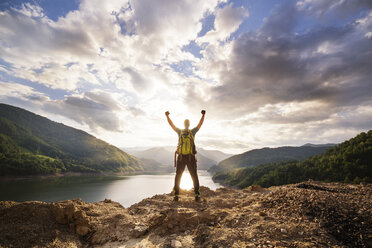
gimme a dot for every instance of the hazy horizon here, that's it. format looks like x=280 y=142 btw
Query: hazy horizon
x=268 y=73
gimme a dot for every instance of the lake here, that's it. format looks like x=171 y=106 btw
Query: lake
x=124 y=189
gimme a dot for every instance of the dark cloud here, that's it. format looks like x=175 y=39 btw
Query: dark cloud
x=275 y=65
x=95 y=109
x=275 y=115
x=341 y=8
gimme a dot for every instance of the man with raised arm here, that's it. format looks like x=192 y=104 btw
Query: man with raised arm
x=185 y=155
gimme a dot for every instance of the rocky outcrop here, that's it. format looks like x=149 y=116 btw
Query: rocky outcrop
x=309 y=214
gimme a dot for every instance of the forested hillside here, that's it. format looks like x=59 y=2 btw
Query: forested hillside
x=270 y=155
x=349 y=162
x=32 y=144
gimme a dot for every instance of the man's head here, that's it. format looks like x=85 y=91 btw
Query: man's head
x=186 y=123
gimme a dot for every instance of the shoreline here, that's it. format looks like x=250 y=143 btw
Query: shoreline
x=65 y=174
x=223 y=184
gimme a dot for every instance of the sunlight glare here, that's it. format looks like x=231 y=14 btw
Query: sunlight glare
x=186 y=181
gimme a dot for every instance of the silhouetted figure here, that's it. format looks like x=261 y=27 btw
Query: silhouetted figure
x=185 y=154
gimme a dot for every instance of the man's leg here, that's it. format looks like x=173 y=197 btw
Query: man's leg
x=179 y=170
x=191 y=166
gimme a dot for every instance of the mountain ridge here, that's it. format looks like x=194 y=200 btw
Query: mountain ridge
x=33 y=144
x=320 y=145
x=265 y=155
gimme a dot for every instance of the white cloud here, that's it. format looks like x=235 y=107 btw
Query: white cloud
x=17 y=91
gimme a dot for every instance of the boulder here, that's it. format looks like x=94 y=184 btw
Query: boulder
x=82 y=230
x=176 y=244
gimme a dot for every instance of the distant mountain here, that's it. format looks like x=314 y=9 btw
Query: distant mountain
x=132 y=150
x=204 y=163
x=153 y=166
x=160 y=154
x=269 y=155
x=213 y=154
x=165 y=156
x=349 y=162
x=32 y=144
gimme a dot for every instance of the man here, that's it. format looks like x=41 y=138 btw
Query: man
x=186 y=155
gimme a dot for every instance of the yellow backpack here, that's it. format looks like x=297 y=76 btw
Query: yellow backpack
x=186 y=143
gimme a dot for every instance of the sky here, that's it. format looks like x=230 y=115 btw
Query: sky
x=268 y=73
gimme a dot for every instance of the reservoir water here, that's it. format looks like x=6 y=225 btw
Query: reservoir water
x=124 y=189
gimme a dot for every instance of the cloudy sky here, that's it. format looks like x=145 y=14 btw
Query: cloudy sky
x=269 y=73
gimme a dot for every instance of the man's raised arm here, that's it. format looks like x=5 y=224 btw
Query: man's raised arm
x=201 y=120
x=170 y=121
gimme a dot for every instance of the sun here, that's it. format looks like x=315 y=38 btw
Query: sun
x=186 y=181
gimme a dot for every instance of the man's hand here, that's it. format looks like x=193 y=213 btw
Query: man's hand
x=170 y=121
x=201 y=120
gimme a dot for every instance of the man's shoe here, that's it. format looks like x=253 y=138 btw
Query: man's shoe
x=197 y=198
x=175 y=198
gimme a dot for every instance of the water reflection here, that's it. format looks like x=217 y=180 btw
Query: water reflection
x=186 y=181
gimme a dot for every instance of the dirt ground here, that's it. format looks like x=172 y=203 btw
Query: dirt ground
x=308 y=214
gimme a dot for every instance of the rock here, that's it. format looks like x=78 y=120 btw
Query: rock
x=64 y=214
x=282 y=230
x=81 y=218
x=82 y=230
x=69 y=211
x=59 y=214
x=79 y=215
x=72 y=227
x=254 y=188
x=140 y=230
x=176 y=244
x=107 y=200
x=251 y=246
